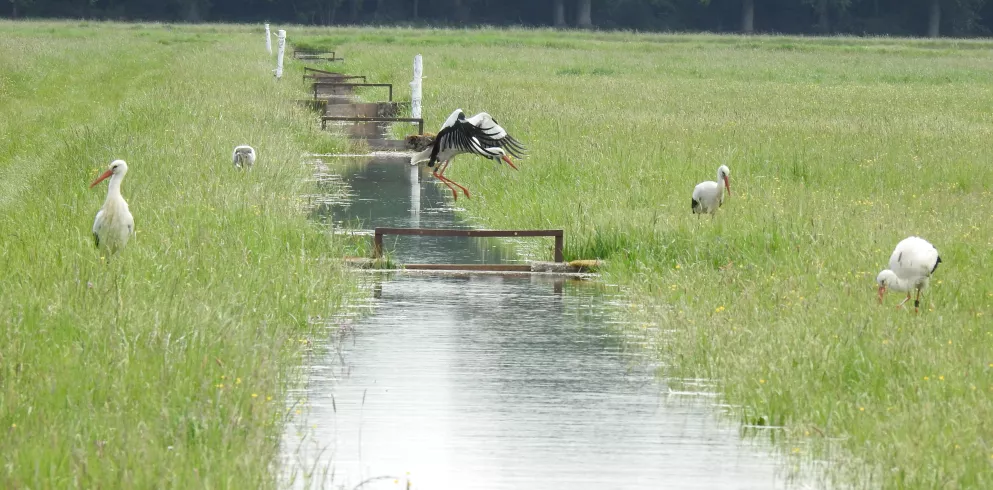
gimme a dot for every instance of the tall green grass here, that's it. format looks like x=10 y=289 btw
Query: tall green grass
x=167 y=364
x=838 y=148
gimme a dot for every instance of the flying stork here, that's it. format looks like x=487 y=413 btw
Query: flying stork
x=478 y=135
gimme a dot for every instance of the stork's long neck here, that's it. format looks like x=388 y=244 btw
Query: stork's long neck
x=114 y=189
x=422 y=156
x=898 y=283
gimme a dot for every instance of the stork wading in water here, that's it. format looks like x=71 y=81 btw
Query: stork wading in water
x=911 y=265
x=114 y=224
x=709 y=196
x=477 y=135
x=243 y=156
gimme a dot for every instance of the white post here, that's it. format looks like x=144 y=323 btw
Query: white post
x=281 y=35
x=415 y=88
x=415 y=195
x=415 y=111
x=268 y=39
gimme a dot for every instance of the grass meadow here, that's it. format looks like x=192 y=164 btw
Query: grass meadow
x=838 y=149
x=165 y=366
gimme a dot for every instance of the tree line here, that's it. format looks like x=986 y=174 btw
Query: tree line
x=931 y=18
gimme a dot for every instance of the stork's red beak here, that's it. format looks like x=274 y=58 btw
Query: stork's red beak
x=882 y=291
x=507 y=159
x=727 y=185
x=106 y=174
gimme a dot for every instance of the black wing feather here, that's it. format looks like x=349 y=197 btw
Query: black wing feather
x=466 y=137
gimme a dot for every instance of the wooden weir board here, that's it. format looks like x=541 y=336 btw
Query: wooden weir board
x=379 y=232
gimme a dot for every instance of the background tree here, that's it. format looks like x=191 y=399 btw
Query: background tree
x=823 y=9
x=748 y=16
x=558 y=13
x=860 y=17
x=584 y=20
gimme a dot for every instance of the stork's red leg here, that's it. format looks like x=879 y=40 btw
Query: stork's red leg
x=448 y=182
x=443 y=180
x=917 y=301
x=904 y=301
x=442 y=173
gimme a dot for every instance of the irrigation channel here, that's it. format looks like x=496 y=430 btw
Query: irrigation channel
x=494 y=381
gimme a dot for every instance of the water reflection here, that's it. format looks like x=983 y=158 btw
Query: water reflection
x=497 y=382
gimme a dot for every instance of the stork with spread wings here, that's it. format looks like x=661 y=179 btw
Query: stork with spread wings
x=479 y=135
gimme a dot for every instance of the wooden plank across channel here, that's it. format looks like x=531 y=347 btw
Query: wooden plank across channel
x=377 y=250
x=316 y=85
x=470 y=267
x=315 y=73
x=418 y=120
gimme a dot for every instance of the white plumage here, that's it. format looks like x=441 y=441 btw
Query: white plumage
x=709 y=196
x=479 y=135
x=243 y=156
x=913 y=261
x=114 y=224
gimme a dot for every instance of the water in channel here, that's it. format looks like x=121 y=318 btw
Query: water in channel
x=495 y=382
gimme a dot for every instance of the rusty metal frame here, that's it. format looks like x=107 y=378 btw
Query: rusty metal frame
x=418 y=120
x=305 y=55
x=307 y=68
x=338 y=76
x=311 y=52
x=469 y=267
x=317 y=74
x=349 y=84
x=377 y=243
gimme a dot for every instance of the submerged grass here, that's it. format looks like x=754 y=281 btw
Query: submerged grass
x=167 y=364
x=838 y=148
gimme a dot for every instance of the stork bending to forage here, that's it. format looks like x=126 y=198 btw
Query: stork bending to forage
x=477 y=135
x=243 y=156
x=708 y=196
x=114 y=224
x=911 y=265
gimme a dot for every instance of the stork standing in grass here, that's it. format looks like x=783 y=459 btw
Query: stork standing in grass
x=478 y=135
x=114 y=224
x=243 y=156
x=913 y=261
x=708 y=196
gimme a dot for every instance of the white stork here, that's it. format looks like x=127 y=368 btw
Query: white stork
x=478 y=135
x=243 y=156
x=114 y=224
x=708 y=196
x=913 y=261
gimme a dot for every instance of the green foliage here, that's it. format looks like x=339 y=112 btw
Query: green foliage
x=166 y=365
